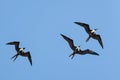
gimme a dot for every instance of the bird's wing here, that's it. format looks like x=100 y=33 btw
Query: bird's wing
x=70 y=42
x=16 y=43
x=86 y=26
x=27 y=54
x=97 y=37
x=87 y=51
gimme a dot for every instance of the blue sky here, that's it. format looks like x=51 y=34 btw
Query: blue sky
x=37 y=24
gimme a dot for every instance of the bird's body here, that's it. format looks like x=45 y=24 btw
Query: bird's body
x=77 y=50
x=91 y=33
x=20 y=51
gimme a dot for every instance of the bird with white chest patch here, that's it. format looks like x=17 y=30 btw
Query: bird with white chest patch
x=94 y=31
x=91 y=33
x=20 y=51
x=77 y=50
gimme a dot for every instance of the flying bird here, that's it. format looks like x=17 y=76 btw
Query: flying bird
x=20 y=51
x=91 y=33
x=76 y=49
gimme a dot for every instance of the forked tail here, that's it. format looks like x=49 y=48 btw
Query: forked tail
x=15 y=57
x=72 y=55
x=88 y=39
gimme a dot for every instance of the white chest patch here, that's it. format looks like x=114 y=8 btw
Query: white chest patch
x=21 y=49
x=78 y=48
x=93 y=31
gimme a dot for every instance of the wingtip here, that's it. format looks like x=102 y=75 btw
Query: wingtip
x=98 y=54
x=62 y=35
x=7 y=43
x=94 y=53
x=76 y=22
x=102 y=47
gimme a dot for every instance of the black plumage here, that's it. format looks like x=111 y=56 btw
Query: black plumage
x=20 y=51
x=90 y=33
x=77 y=50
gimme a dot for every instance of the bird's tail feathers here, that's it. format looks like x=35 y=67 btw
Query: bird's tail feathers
x=15 y=57
x=72 y=55
x=88 y=39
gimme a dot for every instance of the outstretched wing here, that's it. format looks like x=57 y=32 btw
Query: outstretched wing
x=87 y=51
x=97 y=37
x=16 y=43
x=86 y=26
x=27 y=54
x=70 y=42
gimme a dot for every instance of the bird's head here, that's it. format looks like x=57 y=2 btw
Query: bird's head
x=96 y=29
x=24 y=48
x=78 y=48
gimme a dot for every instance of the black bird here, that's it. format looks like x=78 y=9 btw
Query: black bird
x=91 y=33
x=20 y=51
x=77 y=50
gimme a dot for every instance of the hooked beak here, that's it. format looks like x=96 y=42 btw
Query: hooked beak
x=96 y=29
x=79 y=46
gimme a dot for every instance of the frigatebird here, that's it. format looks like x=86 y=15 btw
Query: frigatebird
x=77 y=50
x=20 y=51
x=91 y=33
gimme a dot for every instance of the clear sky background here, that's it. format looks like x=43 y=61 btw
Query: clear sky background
x=37 y=24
